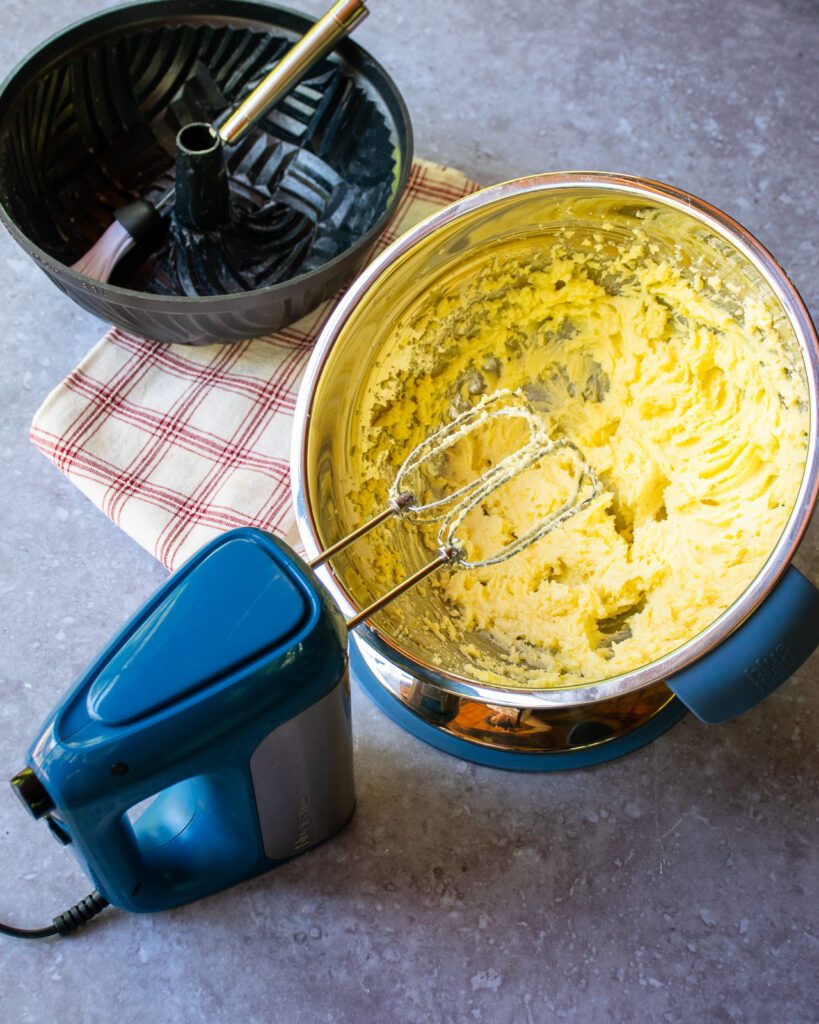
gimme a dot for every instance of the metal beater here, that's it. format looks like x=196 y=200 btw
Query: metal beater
x=452 y=509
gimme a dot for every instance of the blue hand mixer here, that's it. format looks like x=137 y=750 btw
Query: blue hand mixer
x=211 y=740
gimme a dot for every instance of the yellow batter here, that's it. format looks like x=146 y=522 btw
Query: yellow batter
x=687 y=406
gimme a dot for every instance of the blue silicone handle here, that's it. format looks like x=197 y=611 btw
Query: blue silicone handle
x=764 y=651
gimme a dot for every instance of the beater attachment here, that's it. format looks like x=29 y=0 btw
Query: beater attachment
x=451 y=509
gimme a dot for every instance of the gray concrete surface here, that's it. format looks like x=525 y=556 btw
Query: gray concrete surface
x=677 y=885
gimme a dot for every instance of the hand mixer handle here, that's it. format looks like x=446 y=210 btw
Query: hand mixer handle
x=764 y=651
x=191 y=841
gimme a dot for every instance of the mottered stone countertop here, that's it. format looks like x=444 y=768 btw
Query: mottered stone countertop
x=676 y=885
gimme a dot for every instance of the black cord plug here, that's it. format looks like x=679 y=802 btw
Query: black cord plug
x=63 y=924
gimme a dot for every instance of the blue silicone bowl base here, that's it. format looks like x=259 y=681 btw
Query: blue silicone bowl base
x=508 y=759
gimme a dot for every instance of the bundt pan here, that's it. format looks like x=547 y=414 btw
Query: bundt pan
x=88 y=123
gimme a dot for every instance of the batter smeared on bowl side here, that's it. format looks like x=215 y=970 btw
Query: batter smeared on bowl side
x=679 y=391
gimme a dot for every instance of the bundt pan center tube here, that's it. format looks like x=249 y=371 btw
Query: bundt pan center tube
x=416 y=660
x=202 y=193
x=89 y=123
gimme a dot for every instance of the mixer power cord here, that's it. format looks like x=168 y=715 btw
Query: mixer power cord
x=63 y=924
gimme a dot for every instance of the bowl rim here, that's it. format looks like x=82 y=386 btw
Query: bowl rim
x=772 y=569
x=149 y=11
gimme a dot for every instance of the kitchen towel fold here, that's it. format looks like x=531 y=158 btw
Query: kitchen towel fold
x=177 y=444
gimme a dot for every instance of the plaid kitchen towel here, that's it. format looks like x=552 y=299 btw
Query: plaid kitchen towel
x=177 y=444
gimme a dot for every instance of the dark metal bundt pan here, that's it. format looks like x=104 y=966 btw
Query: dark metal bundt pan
x=88 y=122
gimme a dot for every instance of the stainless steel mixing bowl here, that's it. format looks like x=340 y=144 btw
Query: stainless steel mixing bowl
x=432 y=675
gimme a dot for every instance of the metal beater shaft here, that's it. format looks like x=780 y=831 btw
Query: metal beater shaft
x=395 y=507
x=446 y=556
